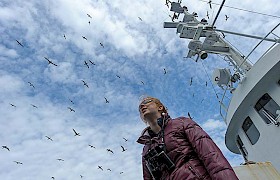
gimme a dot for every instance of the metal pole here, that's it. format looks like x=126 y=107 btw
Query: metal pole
x=218 y=12
x=250 y=36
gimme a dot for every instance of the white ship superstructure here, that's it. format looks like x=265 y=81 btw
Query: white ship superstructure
x=254 y=111
x=253 y=114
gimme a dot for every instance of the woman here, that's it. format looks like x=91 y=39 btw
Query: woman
x=178 y=149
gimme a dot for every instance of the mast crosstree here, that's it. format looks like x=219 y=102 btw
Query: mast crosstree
x=191 y=28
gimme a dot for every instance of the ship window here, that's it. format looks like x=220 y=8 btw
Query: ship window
x=267 y=108
x=241 y=148
x=251 y=130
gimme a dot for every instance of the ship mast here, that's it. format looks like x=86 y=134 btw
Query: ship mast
x=213 y=42
x=191 y=28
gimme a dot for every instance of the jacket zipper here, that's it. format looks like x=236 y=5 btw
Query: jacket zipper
x=194 y=171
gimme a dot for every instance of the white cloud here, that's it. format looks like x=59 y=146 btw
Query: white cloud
x=9 y=83
x=8 y=53
x=212 y=125
x=63 y=73
x=133 y=49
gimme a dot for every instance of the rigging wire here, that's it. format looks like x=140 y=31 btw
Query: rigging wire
x=221 y=104
x=237 y=50
x=258 y=45
x=240 y=9
x=210 y=80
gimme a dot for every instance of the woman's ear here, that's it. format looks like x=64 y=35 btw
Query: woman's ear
x=160 y=108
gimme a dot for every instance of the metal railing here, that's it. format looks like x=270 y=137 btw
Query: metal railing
x=276 y=40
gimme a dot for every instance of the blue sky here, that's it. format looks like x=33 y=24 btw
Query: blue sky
x=131 y=64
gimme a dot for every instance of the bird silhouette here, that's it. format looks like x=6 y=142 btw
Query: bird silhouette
x=64 y=36
x=52 y=177
x=84 y=37
x=109 y=150
x=167 y=3
x=100 y=167
x=203 y=20
x=101 y=45
x=71 y=109
x=189 y=115
x=91 y=62
x=85 y=84
x=226 y=17
x=86 y=64
x=185 y=8
x=210 y=4
x=109 y=169
x=59 y=159
x=164 y=70
x=89 y=16
x=106 y=100
x=49 y=138
x=118 y=76
x=91 y=146
x=121 y=172
x=125 y=139
x=30 y=84
x=88 y=22
x=76 y=134
x=19 y=43
x=142 y=82
x=33 y=106
x=206 y=83
x=191 y=81
x=195 y=14
x=175 y=16
x=18 y=162
x=71 y=101
x=5 y=147
x=50 y=62
x=207 y=14
x=81 y=176
x=140 y=18
x=123 y=149
x=13 y=105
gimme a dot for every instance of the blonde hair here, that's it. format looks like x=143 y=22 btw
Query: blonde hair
x=155 y=100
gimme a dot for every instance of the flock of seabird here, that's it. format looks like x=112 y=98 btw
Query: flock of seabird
x=71 y=109
x=87 y=64
x=62 y=160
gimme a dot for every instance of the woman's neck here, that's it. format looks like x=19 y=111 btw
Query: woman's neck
x=155 y=127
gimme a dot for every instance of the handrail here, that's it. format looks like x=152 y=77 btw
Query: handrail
x=260 y=43
x=222 y=105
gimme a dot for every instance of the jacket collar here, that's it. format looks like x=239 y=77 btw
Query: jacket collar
x=145 y=137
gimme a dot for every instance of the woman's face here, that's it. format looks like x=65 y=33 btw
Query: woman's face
x=148 y=109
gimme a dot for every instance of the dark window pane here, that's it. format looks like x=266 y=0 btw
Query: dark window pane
x=251 y=130
x=267 y=107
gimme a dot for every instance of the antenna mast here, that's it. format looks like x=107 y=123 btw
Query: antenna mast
x=191 y=28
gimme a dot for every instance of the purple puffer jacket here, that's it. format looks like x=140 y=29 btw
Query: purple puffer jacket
x=193 y=152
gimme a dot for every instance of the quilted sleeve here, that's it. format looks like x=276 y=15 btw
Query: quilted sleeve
x=208 y=152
